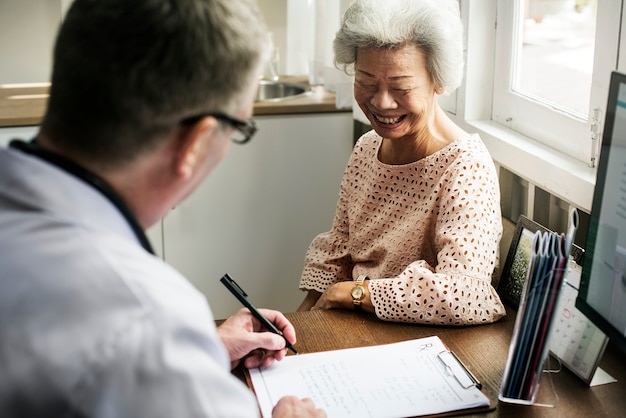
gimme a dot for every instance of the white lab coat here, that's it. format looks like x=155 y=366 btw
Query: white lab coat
x=91 y=324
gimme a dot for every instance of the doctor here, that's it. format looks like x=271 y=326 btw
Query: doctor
x=146 y=97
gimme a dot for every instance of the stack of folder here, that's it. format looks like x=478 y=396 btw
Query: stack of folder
x=529 y=346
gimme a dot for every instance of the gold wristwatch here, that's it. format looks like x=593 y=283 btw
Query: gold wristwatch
x=358 y=291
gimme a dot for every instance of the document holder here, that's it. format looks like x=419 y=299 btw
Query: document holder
x=530 y=344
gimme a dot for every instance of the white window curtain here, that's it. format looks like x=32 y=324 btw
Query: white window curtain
x=311 y=28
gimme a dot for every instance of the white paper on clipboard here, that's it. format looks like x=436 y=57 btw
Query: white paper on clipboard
x=392 y=380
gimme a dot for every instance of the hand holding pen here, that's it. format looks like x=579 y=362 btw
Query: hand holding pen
x=240 y=333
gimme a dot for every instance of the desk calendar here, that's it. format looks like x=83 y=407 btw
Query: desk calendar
x=577 y=342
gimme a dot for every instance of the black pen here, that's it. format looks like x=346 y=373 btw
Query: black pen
x=236 y=290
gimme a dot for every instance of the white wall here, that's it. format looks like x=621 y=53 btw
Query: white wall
x=27 y=32
x=275 y=13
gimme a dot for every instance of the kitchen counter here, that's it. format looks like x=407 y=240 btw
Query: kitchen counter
x=25 y=104
x=317 y=101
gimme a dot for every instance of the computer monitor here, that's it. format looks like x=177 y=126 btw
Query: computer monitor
x=602 y=294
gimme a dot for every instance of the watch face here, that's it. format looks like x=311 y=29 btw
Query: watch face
x=357 y=292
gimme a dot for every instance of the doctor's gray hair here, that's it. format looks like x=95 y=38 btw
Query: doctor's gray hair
x=125 y=72
x=434 y=26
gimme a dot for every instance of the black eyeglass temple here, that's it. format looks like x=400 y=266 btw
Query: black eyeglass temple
x=248 y=128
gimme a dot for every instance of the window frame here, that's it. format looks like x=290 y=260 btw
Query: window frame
x=529 y=116
x=542 y=166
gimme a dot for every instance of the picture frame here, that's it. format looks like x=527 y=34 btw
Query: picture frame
x=515 y=268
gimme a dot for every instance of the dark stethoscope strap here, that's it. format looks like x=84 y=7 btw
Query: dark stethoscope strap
x=88 y=177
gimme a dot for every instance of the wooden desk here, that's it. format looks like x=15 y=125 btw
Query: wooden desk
x=483 y=349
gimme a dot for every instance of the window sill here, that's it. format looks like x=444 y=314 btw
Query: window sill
x=557 y=174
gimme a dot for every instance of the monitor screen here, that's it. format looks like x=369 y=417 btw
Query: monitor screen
x=602 y=295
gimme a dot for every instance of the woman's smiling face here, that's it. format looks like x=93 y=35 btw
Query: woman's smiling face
x=395 y=90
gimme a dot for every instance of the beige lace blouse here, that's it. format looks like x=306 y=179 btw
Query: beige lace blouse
x=426 y=234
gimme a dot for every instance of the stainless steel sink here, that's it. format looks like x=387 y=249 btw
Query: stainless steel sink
x=274 y=91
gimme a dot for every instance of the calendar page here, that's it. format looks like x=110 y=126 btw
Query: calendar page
x=577 y=342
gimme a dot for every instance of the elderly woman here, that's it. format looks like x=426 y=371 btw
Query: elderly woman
x=416 y=232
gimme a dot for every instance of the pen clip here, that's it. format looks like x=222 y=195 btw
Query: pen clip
x=226 y=279
x=458 y=370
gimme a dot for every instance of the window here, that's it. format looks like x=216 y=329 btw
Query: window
x=552 y=67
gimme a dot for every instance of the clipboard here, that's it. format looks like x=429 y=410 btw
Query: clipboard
x=462 y=374
x=439 y=371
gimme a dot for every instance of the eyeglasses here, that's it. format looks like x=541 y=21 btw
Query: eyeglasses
x=244 y=129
